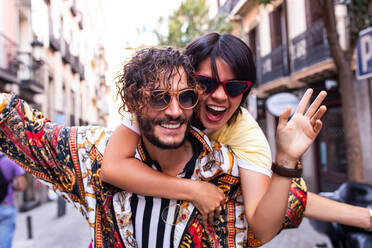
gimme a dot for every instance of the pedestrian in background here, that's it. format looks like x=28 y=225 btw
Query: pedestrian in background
x=15 y=180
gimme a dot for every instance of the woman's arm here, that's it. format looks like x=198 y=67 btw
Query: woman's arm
x=324 y=209
x=265 y=208
x=265 y=202
x=122 y=170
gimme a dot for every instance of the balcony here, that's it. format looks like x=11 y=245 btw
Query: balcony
x=65 y=51
x=228 y=6
x=75 y=64
x=82 y=71
x=274 y=65
x=54 y=43
x=73 y=8
x=28 y=74
x=81 y=23
x=310 y=47
x=8 y=60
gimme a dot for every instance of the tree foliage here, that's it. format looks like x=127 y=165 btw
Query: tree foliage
x=360 y=13
x=189 y=21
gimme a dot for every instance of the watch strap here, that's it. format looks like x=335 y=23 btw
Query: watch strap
x=287 y=172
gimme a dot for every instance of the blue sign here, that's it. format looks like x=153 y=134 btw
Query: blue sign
x=364 y=54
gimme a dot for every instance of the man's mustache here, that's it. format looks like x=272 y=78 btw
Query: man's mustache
x=159 y=121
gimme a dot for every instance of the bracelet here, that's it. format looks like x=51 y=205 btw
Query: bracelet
x=370 y=218
x=287 y=172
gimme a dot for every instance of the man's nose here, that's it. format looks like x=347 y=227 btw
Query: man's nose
x=174 y=109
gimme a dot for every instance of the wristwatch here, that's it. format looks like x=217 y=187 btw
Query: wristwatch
x=287 y=172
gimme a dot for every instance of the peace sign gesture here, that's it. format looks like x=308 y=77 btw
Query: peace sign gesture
x=295 y=136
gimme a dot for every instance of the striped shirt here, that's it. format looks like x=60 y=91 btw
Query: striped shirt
x=154 y=218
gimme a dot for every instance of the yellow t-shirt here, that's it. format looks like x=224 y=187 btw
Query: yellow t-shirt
x=247 y=141
x=244 y=137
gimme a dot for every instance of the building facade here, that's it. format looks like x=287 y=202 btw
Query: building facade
x=52 y=55
x=289 y=41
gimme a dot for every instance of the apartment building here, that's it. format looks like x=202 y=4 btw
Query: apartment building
x=8 y=46
x=52 y=55
x=289 y=41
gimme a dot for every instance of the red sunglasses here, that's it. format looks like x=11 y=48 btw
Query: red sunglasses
x=233 y=88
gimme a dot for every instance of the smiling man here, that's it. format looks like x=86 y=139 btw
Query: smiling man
x=159 y=88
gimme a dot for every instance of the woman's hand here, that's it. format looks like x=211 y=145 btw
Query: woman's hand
x=295 y=136
x=208 y=199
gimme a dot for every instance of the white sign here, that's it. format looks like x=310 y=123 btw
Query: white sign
x=364 y=54
x=276 y=104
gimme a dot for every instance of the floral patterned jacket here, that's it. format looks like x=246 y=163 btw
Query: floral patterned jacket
x=69 y=160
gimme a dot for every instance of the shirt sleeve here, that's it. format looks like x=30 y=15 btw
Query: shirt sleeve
x=131 y=122
x=40 y=147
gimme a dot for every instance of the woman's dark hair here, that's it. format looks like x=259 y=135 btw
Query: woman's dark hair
x=230 y=49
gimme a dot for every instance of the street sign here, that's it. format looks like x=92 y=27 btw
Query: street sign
x=276 y=104
x=364 y=54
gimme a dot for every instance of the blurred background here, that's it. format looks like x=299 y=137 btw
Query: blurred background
x=63 y=56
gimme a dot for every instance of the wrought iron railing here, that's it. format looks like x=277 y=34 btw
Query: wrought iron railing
x=274 y=65
x=75 y=64
x=27 y=73
x=73 y=8
x=8 y=58
x=310 y=47
x=65 y=51
x=55 y=43
x=82 y=71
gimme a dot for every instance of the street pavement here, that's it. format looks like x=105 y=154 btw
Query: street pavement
x=71 y=231
x=303 y=237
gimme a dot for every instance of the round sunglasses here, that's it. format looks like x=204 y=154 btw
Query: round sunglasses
x=233 y=88
x=160 y=99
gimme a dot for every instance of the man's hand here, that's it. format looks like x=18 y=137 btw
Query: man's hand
x=208 y=199
x=295 y=136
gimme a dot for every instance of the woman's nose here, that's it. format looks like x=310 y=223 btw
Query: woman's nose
x=219 y=93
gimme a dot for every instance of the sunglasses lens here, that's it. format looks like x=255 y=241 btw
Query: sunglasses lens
x=188 y=99
x=236 y=88
x=209 y=83
x=159 y=99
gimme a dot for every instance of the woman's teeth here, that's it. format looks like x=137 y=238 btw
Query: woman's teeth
x=217 y=108
x=171 y=126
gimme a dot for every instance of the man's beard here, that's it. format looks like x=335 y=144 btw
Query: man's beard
x=147 y=125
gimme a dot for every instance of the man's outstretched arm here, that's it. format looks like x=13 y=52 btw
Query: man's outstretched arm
x=39 y=146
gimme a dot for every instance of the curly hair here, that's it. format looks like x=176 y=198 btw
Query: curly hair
x=146 y=70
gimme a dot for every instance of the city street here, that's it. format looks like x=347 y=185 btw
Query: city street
x=71 y=231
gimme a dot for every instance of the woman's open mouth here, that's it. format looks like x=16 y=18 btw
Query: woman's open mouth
x=215 y=113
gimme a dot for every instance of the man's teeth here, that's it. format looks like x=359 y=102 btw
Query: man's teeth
x=216 y=108
x=171 y=126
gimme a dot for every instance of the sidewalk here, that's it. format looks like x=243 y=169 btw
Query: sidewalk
x=303 y=237
x=69 y=231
